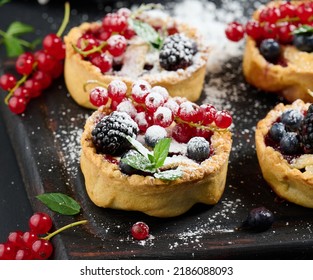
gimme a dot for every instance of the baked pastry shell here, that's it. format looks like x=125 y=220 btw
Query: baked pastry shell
x=288 y=183
x=186 y=83
x=109 y=188
x=292 y=81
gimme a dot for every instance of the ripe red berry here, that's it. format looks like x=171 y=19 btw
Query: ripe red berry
x=223 y=119
x=182 y=132
x=103 y=61
x=117 y=45
x=23 y=254
x=140 y=230
x=153 y=101
x=269 y=31
x=17 y=105
x=15 y=238
x=190 y=112
x=208 y=112
x=234 y=31
x=304 y=11
x=7 y=81
x=287 y=10
x=163 y=116
x=253 y=29
x=45 y=61
x=40 y=223
x=25 y=63
x=142 y=122
x=98 y=96
x=7 y=251
x=115 y=22
x=41 y=249
x=140 y=89
x=117 y=90
x=54 y=46
x=29 y=238
x=43 y=78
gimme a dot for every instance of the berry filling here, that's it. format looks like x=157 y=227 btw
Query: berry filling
x=292 y=134
x=286 y=23
x=110 y=45
x=145 y=121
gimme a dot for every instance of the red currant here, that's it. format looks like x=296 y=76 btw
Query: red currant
x=57 y=69
x=304 y=11
x=54 y=46
x=140 y=231
x=29 y=238
x=128 y=107
x=153 y=101
x=7 y=81
x=190 y=112
x=140 y=89
x=284 y=32
x=269 y=14
x=40 y=223
x=34 y=88
x=43 y=78
x=103 y=61
x=23 y=254
x=45 y=61
x=117 y=90
x=142 y=121
x=17 y=105
x=234 y=31
x=117 y=45
x=163 y=116
x=287 y=10
x=25 y=63
x=115 y=22
x=208 y=112
x=269 y=31
x=161 y=90
x=42 y=249
x=98 y=96
x=182 y=132
x=172 y=105
x=23 y=93
x=16 y=238
x=124 y=12
x=254 y=30
x=223 y=119
x=7 y=251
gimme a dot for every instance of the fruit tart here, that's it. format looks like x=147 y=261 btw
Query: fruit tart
x=143 y=44
x=284 y=145
x=143 y=150
x=278 y=52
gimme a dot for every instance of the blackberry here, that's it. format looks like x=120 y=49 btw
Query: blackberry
x=198 y=149
x=306 y=132
x=108 y=136
x=177 y=52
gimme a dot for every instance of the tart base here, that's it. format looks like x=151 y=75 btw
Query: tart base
x=288 y=183
x=109 y=188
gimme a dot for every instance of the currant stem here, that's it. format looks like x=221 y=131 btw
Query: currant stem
x=89 y=82
x=212 y=128
x=49 y=236
x=93 y=50
x=65 y=19
x=21 y=81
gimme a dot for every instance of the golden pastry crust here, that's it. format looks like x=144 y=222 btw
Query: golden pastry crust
x=288 y=182
x=187 y=83
x=108 y=187
x=292 y=81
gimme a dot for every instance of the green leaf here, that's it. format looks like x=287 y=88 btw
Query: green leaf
x=139 y=162
x=17 y=28
x=2 y=2
x=147 y=32
x=60 y=203
x=169 y=175
x=13 y=46
x=160 y=151
x=138 y=146
x=303 y=29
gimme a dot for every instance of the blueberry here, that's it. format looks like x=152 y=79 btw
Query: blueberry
x=277 y=131
x=124 y=167
x=153 y=134
x=198 y=149
x=289 y=143
x=259 y=219
x=292 y=119
x=303 y=42
x=270 y=50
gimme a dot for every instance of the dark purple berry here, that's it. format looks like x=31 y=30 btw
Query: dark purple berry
x=292 y=119
x=277 y=131
x=270 y=50
x=289 y=143
x=198 y=149
x=258 y=220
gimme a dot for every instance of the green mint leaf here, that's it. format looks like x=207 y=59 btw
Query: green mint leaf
x=169 y=175
x=147 y=32
x=60 y=203
x=304 y=29
x=17 y=28
x=138 y=146
x=160 y=151
x=139 y=162
x=2 y=2
x=13 y=46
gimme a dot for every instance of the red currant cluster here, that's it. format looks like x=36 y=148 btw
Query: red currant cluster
x=37 y=69
x=274 y=22
x=152 y=106
x=101 y=45
x=29 y=245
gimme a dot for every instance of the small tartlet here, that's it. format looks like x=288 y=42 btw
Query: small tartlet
x=108 y=187
x=186 y=82
x=289 y=180
x=290 y=79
